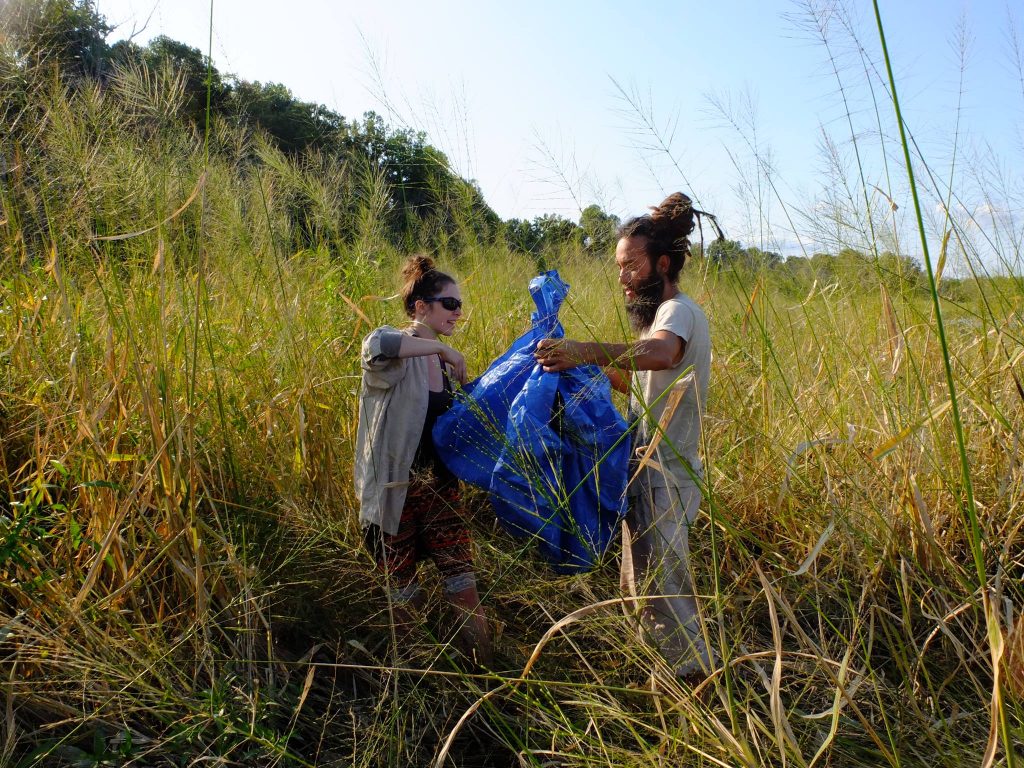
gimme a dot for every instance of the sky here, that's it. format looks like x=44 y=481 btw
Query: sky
x=552 y=106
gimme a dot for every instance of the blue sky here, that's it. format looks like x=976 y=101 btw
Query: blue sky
x=523 y=96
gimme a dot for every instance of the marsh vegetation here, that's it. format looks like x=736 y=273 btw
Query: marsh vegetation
x=183 y=577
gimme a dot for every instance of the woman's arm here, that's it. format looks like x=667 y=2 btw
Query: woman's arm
x=385 y=345
x=416 y=346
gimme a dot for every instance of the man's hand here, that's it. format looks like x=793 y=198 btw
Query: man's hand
x=555 y=355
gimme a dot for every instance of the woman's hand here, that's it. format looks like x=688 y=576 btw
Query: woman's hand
x=455 y=359
x=555 y=355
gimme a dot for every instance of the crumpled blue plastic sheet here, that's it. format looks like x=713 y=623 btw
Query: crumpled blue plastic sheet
x=551 y=448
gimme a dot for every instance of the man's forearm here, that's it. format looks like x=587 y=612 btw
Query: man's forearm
x=651 y=354
x=598 y=353
x=642 y=355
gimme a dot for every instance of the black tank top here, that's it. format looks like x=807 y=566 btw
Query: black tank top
x=427 y=458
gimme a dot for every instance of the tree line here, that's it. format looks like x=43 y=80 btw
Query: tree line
x=421 y=202
x=427 y=204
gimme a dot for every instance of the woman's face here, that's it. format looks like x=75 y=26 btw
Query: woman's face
x=440 y=313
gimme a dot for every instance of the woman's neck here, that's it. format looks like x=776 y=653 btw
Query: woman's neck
x=424 y=331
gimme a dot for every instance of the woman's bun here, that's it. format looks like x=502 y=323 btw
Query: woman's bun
x=416 y=266
x=421 y=280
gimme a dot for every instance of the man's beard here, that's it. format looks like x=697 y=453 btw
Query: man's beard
x=644 y=307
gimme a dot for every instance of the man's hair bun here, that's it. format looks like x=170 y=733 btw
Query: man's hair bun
x=667 y=229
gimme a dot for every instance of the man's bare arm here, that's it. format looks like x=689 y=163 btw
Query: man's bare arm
x=662 y=350
x=619 y=378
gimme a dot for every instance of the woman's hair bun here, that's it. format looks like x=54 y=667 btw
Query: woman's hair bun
x=421 y=280
x=416 y=267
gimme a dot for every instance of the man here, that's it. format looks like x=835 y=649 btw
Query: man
x=671 y=355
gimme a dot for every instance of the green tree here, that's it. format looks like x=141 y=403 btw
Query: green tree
x=431 y=205
x=599 y=229
x=902 y=271
x=190 y=63
x=522 y=236
x=68 y=34
x=755 y=258
x=418 y=199
x=555 y=230
x=724 y=252
x=294 y=125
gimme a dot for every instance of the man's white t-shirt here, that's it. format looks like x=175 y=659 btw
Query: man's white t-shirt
x=678 y=452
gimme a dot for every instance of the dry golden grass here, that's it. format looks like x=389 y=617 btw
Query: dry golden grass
x=182 y=574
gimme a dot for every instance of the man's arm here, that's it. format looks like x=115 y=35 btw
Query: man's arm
x=662 y=350
x=620 y=380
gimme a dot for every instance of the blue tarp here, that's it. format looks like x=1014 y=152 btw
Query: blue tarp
x=549 y=447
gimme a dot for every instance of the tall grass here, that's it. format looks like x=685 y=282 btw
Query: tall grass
x=183 y=577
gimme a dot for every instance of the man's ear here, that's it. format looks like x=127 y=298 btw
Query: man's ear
x=663 y=263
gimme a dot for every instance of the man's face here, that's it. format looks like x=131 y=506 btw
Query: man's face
x=643 y=286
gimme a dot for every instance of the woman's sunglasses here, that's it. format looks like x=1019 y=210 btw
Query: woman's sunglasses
x=448 y=302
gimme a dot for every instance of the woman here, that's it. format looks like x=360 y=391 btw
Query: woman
x=410 y=507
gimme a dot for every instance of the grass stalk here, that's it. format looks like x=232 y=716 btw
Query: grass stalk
x=969 y=508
